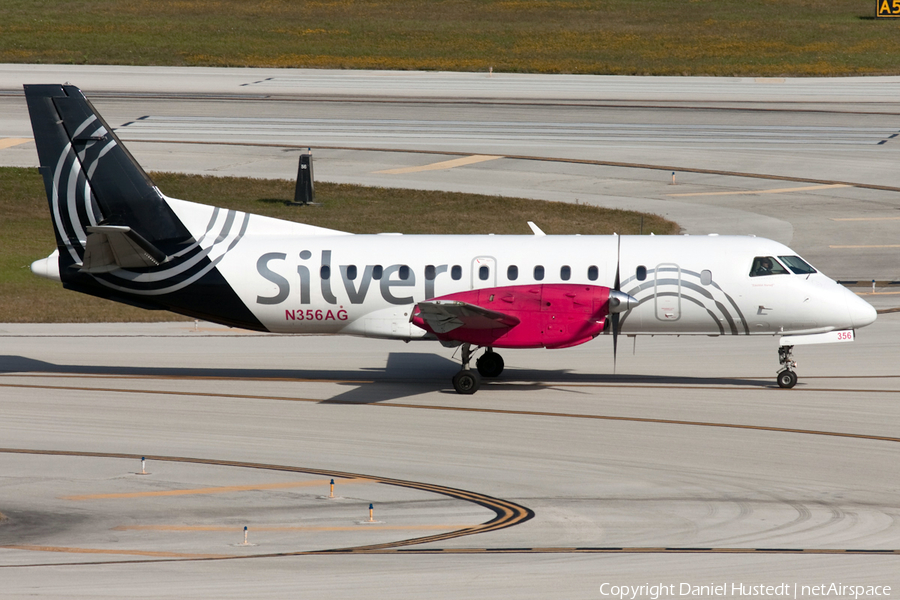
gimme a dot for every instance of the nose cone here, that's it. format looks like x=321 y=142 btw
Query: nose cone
x=861 y=312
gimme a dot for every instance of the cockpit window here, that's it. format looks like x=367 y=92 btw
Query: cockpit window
x=797 y=265
x=766 y=265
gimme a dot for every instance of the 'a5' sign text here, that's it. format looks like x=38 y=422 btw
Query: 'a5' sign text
x=887 y=8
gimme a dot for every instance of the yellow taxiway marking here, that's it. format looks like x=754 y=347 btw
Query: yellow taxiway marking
x=210 y=490
x=10 y=142
x=868 y=219
x=361 y=527
x=438 y=166
x=108 y=551
x=778 y=191
x=872 y=246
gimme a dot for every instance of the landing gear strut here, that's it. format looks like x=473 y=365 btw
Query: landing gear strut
x=786 y=378
x=490 y=364
x=466 y=381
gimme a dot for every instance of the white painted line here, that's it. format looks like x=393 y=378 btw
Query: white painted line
x=868 y=219
x=873 y=246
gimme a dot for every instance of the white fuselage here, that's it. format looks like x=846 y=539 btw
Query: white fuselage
x=301 y=279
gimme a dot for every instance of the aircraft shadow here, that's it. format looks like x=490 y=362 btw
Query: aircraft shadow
x=21 y=364
x=406 y=373
x=526 y=381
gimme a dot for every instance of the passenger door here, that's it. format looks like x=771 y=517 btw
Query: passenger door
x=667 y=292
x=484 y=272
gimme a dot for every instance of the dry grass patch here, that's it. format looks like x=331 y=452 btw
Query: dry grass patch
x=361 y=209
x=657 y=37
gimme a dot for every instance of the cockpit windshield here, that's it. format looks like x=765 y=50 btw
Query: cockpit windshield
x=766 y=265
x=797 y=265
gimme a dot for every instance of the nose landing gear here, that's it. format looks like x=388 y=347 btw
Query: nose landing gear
x=786 y=378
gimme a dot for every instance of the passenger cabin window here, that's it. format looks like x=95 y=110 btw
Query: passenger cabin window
x=706 y=277
x=512 y=272
x=429 y=272
x=641 y=273
x=766 y=265
x=456 y=273
x=565 y=273
x=351 y=272
x=593 y=273
x=325 y=272
x=797 y=265
x=377 y=272
x=539 y=273
x=404 y=273
x=483 y=273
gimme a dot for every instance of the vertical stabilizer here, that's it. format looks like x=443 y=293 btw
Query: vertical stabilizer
x=117 y=237
x=91 y=179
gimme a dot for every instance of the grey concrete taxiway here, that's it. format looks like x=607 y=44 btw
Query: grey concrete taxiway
x=686 y=465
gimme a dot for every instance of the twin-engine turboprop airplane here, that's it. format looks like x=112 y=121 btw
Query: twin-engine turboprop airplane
x=119 y=237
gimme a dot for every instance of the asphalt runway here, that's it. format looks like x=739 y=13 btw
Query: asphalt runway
x=686 y=465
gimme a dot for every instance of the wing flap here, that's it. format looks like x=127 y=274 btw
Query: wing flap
x=443 y=316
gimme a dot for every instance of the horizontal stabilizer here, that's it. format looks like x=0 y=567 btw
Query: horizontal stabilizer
x=443 y=316
x=111 y=247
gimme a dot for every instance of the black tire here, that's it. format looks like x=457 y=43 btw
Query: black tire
x=787 y=379
x=466 y=382
x=490 y=364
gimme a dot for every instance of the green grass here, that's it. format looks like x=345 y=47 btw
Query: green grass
x=622 y=37
x=26 y=233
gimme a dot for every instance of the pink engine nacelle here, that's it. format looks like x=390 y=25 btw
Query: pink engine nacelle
x=556 y=315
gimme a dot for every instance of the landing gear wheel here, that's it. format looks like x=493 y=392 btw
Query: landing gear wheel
x=466 y=382
x=786 y=379
x=490 y=364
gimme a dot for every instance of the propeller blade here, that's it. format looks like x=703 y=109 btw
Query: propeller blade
x=616 y=286
x=615 y=328
x=619 y=302
x=615 y=315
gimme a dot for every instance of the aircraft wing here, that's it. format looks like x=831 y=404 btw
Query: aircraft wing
x=443 y=316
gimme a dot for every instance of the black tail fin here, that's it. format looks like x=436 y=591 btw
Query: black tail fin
x=91 y=179
x=117 y=236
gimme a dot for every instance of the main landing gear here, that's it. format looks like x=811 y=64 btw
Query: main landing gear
x=490 y=364
x=786 y=378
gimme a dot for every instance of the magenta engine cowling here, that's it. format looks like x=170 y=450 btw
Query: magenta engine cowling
x=551 y=315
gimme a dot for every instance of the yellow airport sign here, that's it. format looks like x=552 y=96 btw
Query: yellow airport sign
x=887 y=8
